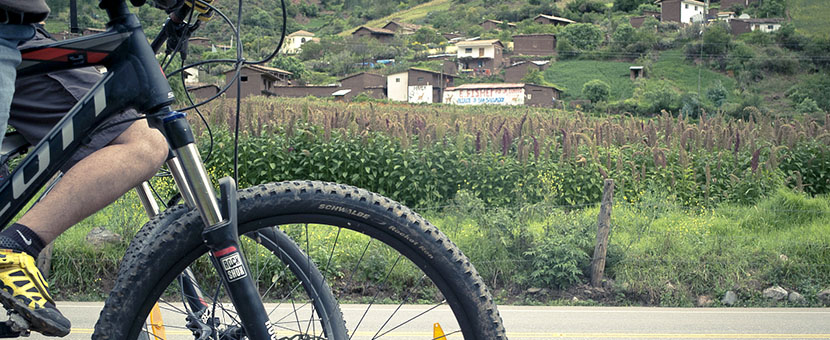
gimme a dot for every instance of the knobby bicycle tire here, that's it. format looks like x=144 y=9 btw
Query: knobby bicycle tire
x=288 y=253
x=312 y=203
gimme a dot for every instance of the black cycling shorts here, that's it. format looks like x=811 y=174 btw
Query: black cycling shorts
x=41 y=101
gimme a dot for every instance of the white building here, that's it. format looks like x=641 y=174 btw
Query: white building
x=294 y=41
x=418 y=85
x=480 y=57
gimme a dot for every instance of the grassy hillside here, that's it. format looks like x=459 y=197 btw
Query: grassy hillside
x=571 y=75
x=810 y=16
x=408 y=15
x=671 y=66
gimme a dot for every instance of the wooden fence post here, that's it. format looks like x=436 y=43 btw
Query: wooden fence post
x=603 y=229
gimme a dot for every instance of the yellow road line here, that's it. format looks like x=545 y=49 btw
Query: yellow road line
x=522 y=335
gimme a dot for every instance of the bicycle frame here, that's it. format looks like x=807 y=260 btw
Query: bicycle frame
x=124 y=50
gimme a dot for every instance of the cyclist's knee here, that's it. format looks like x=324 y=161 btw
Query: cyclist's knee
x=147 y=145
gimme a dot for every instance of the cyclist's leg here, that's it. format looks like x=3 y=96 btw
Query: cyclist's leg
x=130 y=153
x=21 y=287
x=10 y=36
x=98 y=180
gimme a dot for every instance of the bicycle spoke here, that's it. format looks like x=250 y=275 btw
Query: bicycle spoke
x=286 y=296
x=381 y=286
x=351 y=275
x=299 y=327
x=413 y=318
x=406 y=297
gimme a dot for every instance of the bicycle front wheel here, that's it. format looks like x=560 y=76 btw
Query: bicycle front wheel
x=403 y=275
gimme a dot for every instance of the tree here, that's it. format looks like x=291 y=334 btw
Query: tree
x=716 y=41
x=290 y=64
x=534 y=77
x=771 y=9
x=584 y=37
x=628 y=5
x=596 y=90
x=623 y=36
x=426 y=35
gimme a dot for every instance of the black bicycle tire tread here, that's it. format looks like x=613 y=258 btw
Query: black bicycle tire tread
x=457 y=264
x=156 y=225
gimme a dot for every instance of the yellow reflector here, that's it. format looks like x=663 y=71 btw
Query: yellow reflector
x=156 y=324
x=437 y=332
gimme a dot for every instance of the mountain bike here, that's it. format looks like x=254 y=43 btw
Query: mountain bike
x=227 y=303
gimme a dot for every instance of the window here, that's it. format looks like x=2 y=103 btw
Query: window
x=468 y=50
x=244 y=78
x=302 y=40
x=687 y=6
x=769 y=27
x=420 y=79
x=397 y=80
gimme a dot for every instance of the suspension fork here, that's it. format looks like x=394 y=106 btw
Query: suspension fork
x=220 y=233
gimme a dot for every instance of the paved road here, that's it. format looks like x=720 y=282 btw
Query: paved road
x=536 y=323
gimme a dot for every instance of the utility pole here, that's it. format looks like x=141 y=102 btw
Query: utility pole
x=699 y=65
x=73 y=16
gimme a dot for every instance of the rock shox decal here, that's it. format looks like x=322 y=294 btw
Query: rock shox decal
x=232 y=264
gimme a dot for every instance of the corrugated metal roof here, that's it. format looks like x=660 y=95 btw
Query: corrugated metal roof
x=478 y=42
x=551 y=17
x=375 y=30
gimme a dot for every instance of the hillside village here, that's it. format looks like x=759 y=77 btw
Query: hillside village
x=519 y=62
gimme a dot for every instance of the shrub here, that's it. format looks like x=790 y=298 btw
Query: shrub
x=596 y=90
x=807 y=106
x=814 y=87
x=778 y=60
x=654 y=96
x=717 y=94
x=583 y=36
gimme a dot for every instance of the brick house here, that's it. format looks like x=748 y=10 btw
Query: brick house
x=552 y=20
x=402 y=27
x=741 y=26
x=502 y=94
x=255 y=79
x=637 y=21
x=682 y=11
x=379 y=34
x=514 y=73
x=490 y=24
x=203 y=91
x=543 y=44
x=418 y=85
x=480 y=57
x=372 y=84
